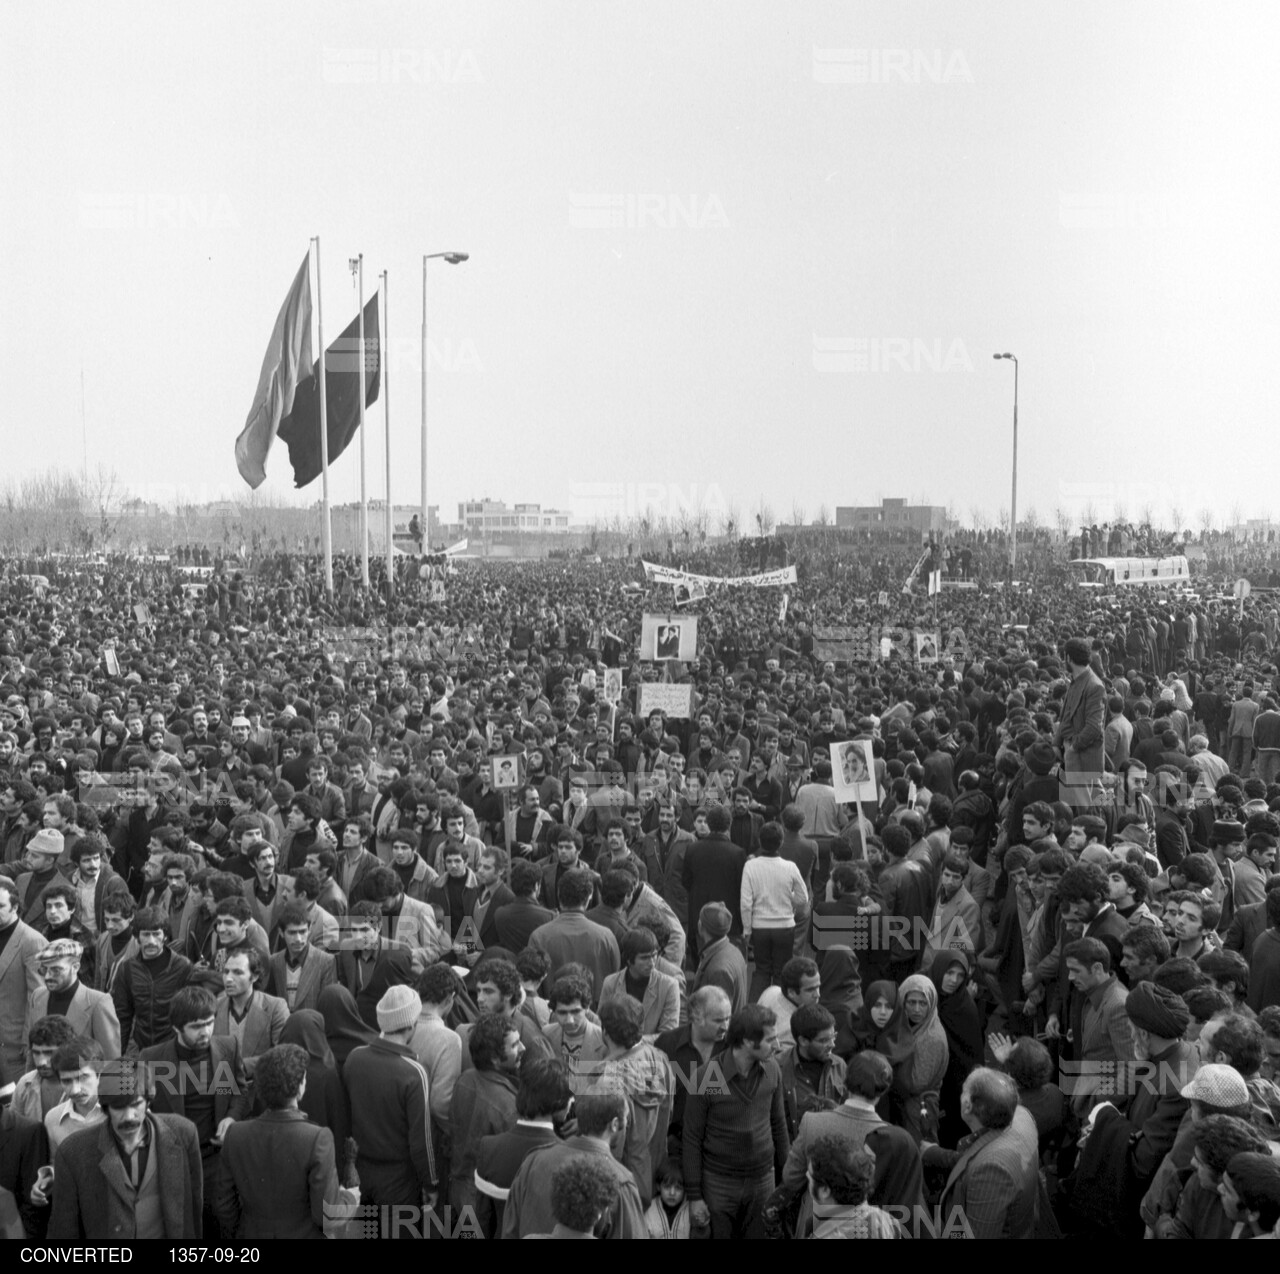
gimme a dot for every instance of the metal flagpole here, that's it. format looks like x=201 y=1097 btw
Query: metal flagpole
x=326 y=530
x=425 y=543
x=386 y=414
x=358 y=266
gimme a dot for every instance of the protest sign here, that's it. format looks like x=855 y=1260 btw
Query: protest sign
x=662 y=637
x=675 y=701
x=853 y=773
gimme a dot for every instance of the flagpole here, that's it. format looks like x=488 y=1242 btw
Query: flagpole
x=326 y=530
x=386 y=415
x=358 y=264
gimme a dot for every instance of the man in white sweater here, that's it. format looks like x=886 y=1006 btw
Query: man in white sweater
x=773 y=894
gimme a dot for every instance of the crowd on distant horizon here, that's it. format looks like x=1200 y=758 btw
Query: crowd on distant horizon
x=283 y=955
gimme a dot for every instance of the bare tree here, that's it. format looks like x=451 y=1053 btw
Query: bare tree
x=1062 y=521
x=822 y=517
x=1031 y=520
x=1206 y=520
x=1176 y=516
x=764 y=518
x=1148 y=514
x=1089 y=514
x=797 y=513
x=978 y=517
x=1002 y=519
x=730 y=526
x=1237 y=515
x=1118 y=511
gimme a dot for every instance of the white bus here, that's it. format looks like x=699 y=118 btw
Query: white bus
x=1115 y=572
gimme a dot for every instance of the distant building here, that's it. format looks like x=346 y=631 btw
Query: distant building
x=492 y=517
x=893 y=515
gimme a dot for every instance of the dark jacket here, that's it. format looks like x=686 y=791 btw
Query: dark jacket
x=664 y=864
x=497 y=1163
x=712 y=872
x=141 y=991
x=230 y=1084
x=1246 y=927
x=93 y=1200
x=516 y=921
x=391 y=1113
x=393 y=966
x=24 y=1150
x=484 y=1103
x=275 y=1175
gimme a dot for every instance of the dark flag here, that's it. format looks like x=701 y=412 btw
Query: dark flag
x=301 y=428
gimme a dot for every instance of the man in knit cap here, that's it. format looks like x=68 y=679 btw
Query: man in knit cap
x=391 y=1116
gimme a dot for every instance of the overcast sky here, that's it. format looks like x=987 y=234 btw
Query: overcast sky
x=720 y=252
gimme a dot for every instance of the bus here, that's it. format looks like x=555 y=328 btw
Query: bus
x=1115 y=572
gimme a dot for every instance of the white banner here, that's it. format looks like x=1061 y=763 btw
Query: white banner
x=675 y=701
x=769 y=579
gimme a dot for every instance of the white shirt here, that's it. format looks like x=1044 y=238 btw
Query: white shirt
x=63 y=1120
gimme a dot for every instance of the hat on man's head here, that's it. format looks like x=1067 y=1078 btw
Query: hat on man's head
x=398 y=1009
x=1217 y=1085
x=1155 y=1008
x=48 y=840
x=63 y=949
x=716 y=919
x=1226 y=832
x=1040 y=758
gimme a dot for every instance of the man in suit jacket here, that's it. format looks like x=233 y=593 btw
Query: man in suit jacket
x=194 y=1060
x=406 y=923
x=660 y=1006
x=1117 y=736
x=301 y=971
x=712 y=870
x=515 y=921
x=1101 y=1029
x=1246 y=927
x=720 y=963
x=1082 y=900
x=368 y=966
x=268 y=892
x=254 y=1017
x=663 y=854
x=19 y=980
x=493 y=895
x=994 y=1176
x=277 y=1175
x=87 y=856
x=1080 y=732
x=899 y=1177
x=109 y=1190
x=91 y=1013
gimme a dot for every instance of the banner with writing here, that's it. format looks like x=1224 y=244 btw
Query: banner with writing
x=675 y=701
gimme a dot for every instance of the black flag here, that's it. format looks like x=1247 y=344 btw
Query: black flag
x=301 y=428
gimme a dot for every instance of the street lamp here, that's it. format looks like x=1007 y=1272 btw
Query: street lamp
x=1013 y=511
x=452 y=258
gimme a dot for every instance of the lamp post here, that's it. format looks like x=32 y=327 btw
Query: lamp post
x=453 y=258
x=1013 y=501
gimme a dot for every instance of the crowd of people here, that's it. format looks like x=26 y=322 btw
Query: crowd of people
x=371 y=915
